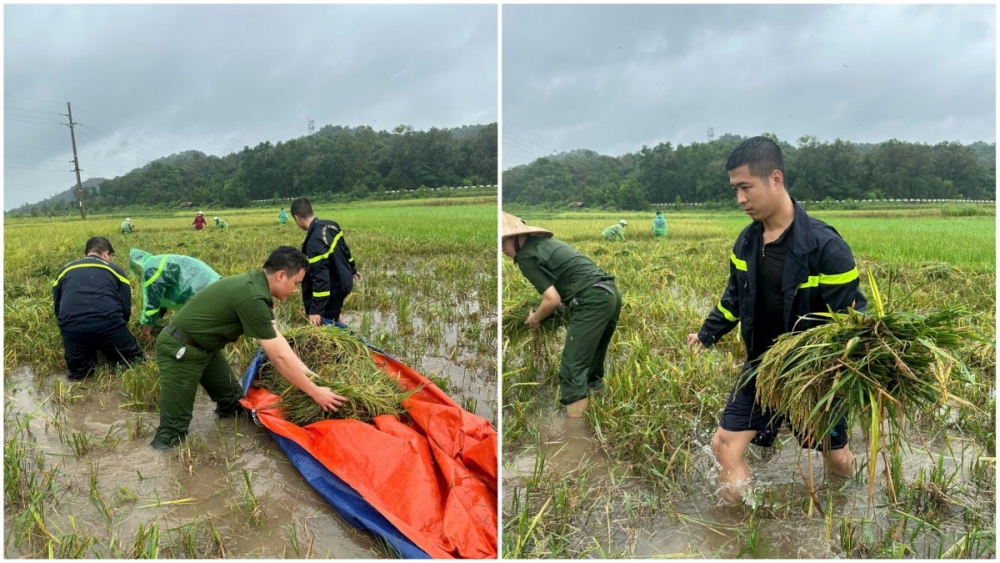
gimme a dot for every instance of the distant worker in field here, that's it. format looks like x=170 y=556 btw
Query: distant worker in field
x=191 y=349
x=562 y=275
x=93 y=303
x=659 y=225
x=199 y=221
x=221 y=223
x=616 y=232
x=282 y=216
x=784 y=267
x=127 y=225
x=168 y=282
x=331 y=267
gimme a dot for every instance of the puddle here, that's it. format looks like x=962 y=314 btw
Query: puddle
x=141 y=486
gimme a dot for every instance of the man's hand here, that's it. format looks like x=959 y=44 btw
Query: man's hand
x=695 y=343
x=531 y=322
x=357 y=275
x=146 y=333
x=327 y=399
x=316 y=320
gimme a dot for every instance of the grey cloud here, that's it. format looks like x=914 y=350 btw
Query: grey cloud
x=168 y=78
x=613 y=78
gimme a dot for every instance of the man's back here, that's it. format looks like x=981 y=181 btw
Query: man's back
x=90 y=293
x=223 y=311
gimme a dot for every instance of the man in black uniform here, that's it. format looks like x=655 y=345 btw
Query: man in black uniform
x=784 y=266
x=93 y=303
x=331 y=268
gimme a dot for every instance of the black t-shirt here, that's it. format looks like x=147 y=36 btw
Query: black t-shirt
x=769 y=309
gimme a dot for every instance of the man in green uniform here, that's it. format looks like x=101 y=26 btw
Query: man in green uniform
x=127 y=225
x=168 y=282
x=282 y=216
x=562 y=275
x=190 y=350
x=616 y=232
x=659 y=225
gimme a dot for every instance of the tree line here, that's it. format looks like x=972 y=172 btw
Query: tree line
x=356 y=162
x=814 y=171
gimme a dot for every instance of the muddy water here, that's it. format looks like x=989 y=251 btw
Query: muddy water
x=692 y=524
x=210 y=481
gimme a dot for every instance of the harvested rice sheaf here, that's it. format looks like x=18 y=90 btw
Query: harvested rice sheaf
x=343 y=364
x=875 y=364
x=515 y=314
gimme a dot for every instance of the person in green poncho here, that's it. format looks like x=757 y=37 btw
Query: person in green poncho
x=616 y=232
x=659 y=225
x=221 y=223
x=282 y=216
x=127 y=225
x=168 y=281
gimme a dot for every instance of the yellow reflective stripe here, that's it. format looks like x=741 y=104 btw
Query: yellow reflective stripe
x=157 y=274
x=321 y=294
x=740 y=264
x=830 y=279
x=108 y=268
x=150 y=313
x=837 y=279
x=725 y=312
x=333 y=245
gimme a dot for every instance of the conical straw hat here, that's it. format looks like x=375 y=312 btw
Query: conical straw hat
x=513 y=225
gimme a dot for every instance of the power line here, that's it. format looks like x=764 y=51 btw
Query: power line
x=98 y=133
x=157 y=149
x=32 y=158
x=39 y=169
x=32 y=99
x=31 y=110
x=9 y=118
x=94 y=137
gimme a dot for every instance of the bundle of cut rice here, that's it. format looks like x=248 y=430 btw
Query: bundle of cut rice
x=515 y=314
x=343 y=364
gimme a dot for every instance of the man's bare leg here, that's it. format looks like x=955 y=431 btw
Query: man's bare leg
x=734 y=471
x=577 y=408
x=840 y=462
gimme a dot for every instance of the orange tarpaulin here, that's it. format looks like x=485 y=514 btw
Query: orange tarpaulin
x=432 y=473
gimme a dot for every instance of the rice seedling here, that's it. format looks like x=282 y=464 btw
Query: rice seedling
x=140 y=385
x=344 y=365
x=250 y=505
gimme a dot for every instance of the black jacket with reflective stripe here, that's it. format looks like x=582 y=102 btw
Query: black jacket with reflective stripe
x=91 y=294
x=331 y=267
x=819 y=273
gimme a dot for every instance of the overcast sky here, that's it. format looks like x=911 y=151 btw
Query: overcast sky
x=614 y=78
x=149 y=81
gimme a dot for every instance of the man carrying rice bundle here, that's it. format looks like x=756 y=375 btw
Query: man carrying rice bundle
x=784 y=266
x=191 y=349
x=561 y=274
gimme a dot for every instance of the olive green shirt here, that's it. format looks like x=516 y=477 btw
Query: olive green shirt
x=550 y=262
x=228 y=308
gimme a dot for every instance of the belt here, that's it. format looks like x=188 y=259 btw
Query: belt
x=182 y=337
x=606 y=285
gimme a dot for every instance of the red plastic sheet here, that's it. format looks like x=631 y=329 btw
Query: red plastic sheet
x=433 y=474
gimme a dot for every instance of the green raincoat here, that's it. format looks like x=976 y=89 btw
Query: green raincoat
x=282 y=216
x=168 y=281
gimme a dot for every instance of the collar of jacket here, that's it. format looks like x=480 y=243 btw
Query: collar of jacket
x=803 y=239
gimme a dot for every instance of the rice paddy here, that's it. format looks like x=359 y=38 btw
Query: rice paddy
x=636 y=478
x=80 y=478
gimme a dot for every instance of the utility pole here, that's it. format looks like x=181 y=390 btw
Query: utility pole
x=311 y=127
x=76 y=163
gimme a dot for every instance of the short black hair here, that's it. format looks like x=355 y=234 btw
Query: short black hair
x=302 y=208
x=762 y=154
x=286 y=258
x=100 y=245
